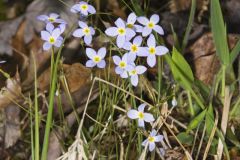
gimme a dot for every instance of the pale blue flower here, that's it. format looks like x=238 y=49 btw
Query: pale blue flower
x=140 y=115
x=131 y=20
x=84 y=31
x=83 y=8
x=150 y=25
x=124 y=65
x=152 y=51
x=133 y=73
x=135 y=47
x=121 y=31
x=52 y=18
x=50 y=27
x=96 y=58
x=52 y=38
x=152 y=139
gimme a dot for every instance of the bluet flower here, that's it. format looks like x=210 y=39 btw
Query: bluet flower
x=152 y=139
x=52 y=38
x=133 y=73
x=152 y=51
x=52 y=18
x=131 y=20
x=96 y=58
x=150 y=25
x=84 y=31
x=140 y=115
x=83 y=8
x=121 y=31
x=50 y=27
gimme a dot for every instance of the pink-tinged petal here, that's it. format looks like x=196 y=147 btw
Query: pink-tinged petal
x=141 y=107
x=88 y=39
x=124 y=74
x=148 y=117
x=116 y=59
x=78 y=33
x=137 y=40
x=119 y=70
x=56 y=33
x=101 y=64
x=141 y=69
x=82 y=24
x=138 y=28
x=158 y=29
x=151 y=60
x=111 y=31
x=142 y=20
x=133 y=114
x=130 y=33
x=90 y=63
x=120 y=23
x=152 y=146
x=91 y=9
x=75 y=8
x=146 y=31
x=120 y=41
x=155 y=18
x=158 y=138
x=92 y=30
x=127 y=46
x=143 y=52
x=151 y=42
x=42 y=17
x=102 y=52
x=45 y=35
x=144 y=143
x=54 y=15
x=141 y=123
x=90 y=53
x=47 y=46
x=153 y=133
x=131 y=18
x=134 y=80
x=161 y=50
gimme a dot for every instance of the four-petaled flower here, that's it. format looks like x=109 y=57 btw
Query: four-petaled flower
x=140 y=115
x=133 y=73
x=52 y=38
x=83 y=8
x=124 y=65
x=152 y=139
x=96 y=58
x=131 y=20
x=121 y=31
x=150 y=25
x=134 y=48
x=52 y=18
x=152 y=50
x=84 y=31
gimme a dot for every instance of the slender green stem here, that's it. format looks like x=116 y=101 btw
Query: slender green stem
x=223 y=81
x=36 y=113
x=159 y=77
x=190 y=103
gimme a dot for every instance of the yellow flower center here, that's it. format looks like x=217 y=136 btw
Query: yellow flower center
x=121 y=31
x=86 y=31
x=134 y=48
x=97 y=59
x=151 y=139
x=152 y=50
x=50 y=19
x=130 y=26
x=133 y=72
x=51 y=40
x=140 y=115
x=151 y=25
x=122 y=64
x=84 y=7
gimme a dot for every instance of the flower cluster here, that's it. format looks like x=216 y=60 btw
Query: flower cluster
x=53 y=30
x=145 y=117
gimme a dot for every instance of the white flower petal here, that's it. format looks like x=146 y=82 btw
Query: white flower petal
x=142 y=20
x=146 y=31
x=153 y=133
x=90 y=53
x=120 y=41
x=141 y=107
x=141 y=123
x=158 y=138
x=90 y=63
x=120 y=23
x=155 y=18
x=111 y=31
x=158 y=29
x=152 y=145
x=161 y=50
x=131 y=18
x=151 y=42
x=148 y=117
x=133 y=114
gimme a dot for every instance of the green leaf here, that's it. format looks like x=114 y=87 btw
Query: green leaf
x=219 y=32
x=195 y=122
x=209 y=120
x=234 y=53
x=185 y=138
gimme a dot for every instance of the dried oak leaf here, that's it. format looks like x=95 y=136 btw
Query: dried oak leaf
x=204 y=59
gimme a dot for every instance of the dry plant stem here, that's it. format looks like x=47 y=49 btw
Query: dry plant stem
x=195 y=139
x=211 y=137
x=201 y=142
x=226 y=107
